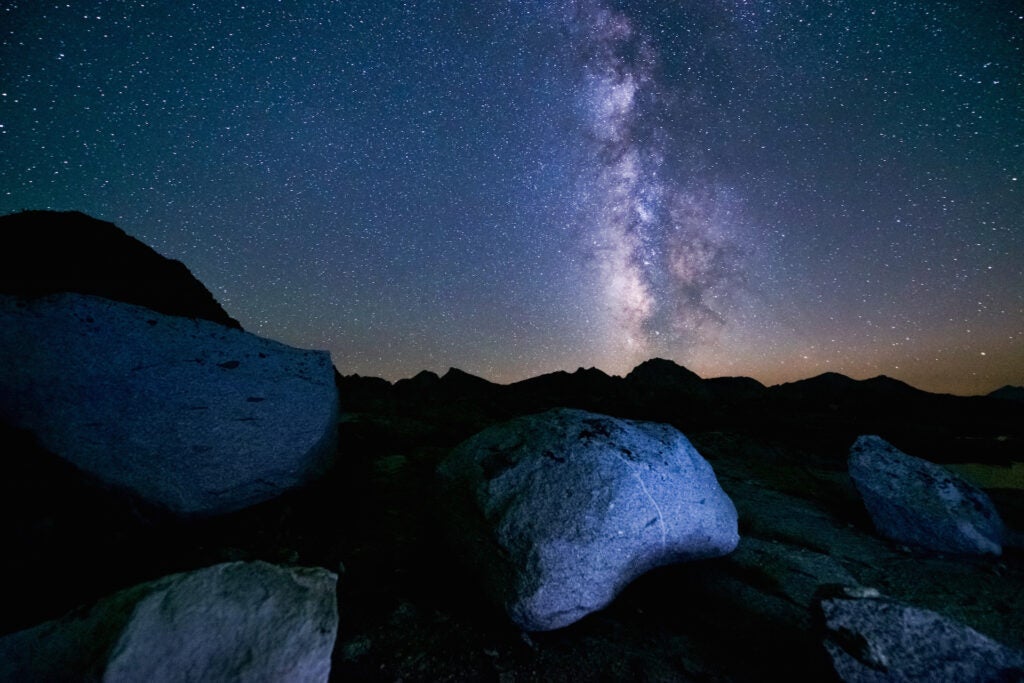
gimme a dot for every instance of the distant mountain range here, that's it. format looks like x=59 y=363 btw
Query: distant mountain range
x=829 y=410
x=660 y=376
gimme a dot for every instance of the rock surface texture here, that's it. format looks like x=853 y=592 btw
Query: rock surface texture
x=192 y=416
x=875 y=639
x=916 y=502
x=231 y=622
x=562 y=509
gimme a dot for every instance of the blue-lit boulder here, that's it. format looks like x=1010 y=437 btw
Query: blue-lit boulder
x=561 y=510
x=916 y=502
x=193 y=417
x=239 y=621
x=872 y=638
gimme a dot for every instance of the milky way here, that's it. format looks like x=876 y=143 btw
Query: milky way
x=772 y=189
x=667 y=262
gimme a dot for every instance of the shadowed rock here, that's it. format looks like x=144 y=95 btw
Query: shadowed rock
x=871 y=638
x=913 y=501
x=230 y=622
x=564 y=508
x=192 y=416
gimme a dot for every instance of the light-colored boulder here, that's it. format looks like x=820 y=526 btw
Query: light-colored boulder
x=192 y=416
x=231 y=622
x=916 y=502
x=562 y=509
x=872 y=639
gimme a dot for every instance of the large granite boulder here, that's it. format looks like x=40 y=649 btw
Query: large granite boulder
x=913 y=501
x=231 y=622
x=561 y=510
x=192 y=416
x=873 y=639
x=66 y=251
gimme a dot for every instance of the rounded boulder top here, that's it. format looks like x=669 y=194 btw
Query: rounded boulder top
x=913 y=501
x=567 y=507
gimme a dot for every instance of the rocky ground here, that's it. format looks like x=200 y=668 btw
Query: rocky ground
x=752 y=615
x=409 y=611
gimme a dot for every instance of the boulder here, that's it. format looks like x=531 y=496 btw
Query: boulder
x=561 y=510
x=916 y=502
x=67 y=251
x=230 y=622
x=871 y=638
x=194 y=417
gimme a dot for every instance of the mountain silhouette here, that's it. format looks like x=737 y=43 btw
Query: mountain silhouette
x=820 y=415
x=1009 y=392
x=53 y=251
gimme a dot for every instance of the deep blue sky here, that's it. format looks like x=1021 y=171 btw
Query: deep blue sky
x=774 y=189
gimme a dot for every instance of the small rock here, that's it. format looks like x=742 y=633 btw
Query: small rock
x=913 y=501
x=563 y=509
x=872 y=639
x=229 y=622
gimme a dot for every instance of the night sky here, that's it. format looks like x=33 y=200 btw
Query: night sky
x=761 y=188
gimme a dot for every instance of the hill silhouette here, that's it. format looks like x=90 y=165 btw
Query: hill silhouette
x=55 y=251
x=821 y=414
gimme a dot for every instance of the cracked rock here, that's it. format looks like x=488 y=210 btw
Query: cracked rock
x=559 y=511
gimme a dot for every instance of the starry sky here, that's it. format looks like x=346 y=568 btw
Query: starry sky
x=761 y=188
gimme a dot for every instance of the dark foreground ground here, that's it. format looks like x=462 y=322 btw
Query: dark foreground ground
x=409 y=612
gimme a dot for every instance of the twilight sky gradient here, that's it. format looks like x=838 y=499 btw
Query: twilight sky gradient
x=772 y=189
